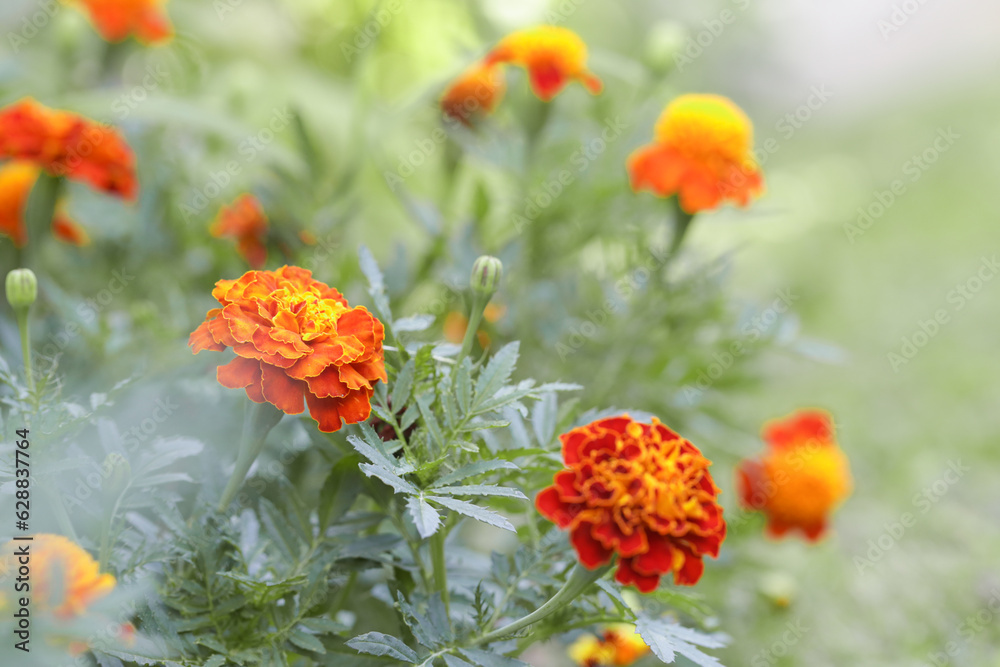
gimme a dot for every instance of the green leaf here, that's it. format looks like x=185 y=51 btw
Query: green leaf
x=481 y=490
x=369 y=267
x=497 y=372
x=425 y=518
x=488 y=659
x=665 y=639
x=376 y=643
x=454 y=661
x=398 y=484
x=340 y=490
x=476 y=468
x=307 y=641
x=430 y=421
x=323 y=626
x=414 y=323
x=463 y=385
x=474 y=512
x=543 y=418
x=215 y=661
x=401 y=388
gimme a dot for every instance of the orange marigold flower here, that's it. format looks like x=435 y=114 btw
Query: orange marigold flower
x=295 y=338
x=17 y=178
x=477 y=91
x=66 y=144
x=702 y=153
x=246 y=222
x=619 y=646
x=65 y=580
x=801 y=479
x=553 y=56
x=116 y=20
x=639 y=491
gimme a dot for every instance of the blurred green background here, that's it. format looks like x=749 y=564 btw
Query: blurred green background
x=854 y=94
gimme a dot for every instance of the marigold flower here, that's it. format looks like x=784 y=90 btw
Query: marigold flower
x=17 y=178
x=66 y=144
x=246 y=222
x=702 y=153
x=553 y=56
x=295 y=338
x=801 y=479
x=477 y=91
x=116 y=20
x=619 y=646
x=639 y=491
x=65 y=580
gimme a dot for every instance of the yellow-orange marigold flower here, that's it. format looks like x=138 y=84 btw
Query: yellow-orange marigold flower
x=618 y=646
x=702 y=153
x=802 y=477
x=65 y=144
x=553 y=56
x=295 y=338
x=65 y=580
x=116 y=20
x=17 y=178
x=477 y=91
x=245 y=221
x=639 y=491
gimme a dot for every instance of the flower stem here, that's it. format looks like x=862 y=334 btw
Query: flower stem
x=258 y=421
x=23 y=327
x=440 y=568
x=479 y=302
x=578 y=581
x=682 y=223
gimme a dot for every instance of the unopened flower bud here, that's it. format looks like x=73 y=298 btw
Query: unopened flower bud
x=22 y=289
x=486 y=275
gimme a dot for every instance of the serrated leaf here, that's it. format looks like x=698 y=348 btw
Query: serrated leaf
x=398 y=484
x=215 y=661
x=543 y=418
x=425 y=518
x=430 y=421
x=414 y=323
x=369 y=267
x=473 y=469
x=481 y=490
x=374 y=454
x=371 y=545
x=376 y=643
x=463 y=385
x=488 y=659
x=665 y=639
x=455 y=661
x=323 y=625
x=497 y=372
x=307 y=641
x=474 y=512
x=403 y=385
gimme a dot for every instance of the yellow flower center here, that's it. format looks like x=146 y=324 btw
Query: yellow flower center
x=705 y=126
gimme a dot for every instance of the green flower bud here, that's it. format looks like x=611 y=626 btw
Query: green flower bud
x=486 y=275
x=663 y=49
x=22 y=289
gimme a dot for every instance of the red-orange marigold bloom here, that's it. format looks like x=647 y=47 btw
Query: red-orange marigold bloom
x=639 y=491
x=65 y=580
x=702 y=153
x=553 y=56
x=65 y=144
x=17 y=178
x=116 y=20
x=801 y=479
x=295 y=338
x=246 y=222
x=477 y=91
x=618 y=646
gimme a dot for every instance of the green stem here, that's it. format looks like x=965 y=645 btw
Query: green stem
x=479 y=302
x=578 y=581
x=22 y=325
x=439 y=565
x=682 y=223
x=258 y=421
